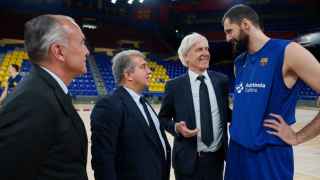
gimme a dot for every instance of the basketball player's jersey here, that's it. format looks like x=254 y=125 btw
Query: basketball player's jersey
x=259 y=91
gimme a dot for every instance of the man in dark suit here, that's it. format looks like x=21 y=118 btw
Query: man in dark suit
x=195 y=111
x=128 y=142
x=42 y=136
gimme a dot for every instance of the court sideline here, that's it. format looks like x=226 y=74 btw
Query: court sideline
x=307 y=156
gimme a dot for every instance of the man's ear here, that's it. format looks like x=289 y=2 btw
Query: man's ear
x=185 y=58
x=127 y=76
x=245 y=24
x=57 y=51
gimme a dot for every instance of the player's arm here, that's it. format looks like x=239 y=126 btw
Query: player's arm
x=300 y=63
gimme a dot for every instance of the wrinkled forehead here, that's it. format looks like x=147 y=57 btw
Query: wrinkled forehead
x=201 y=41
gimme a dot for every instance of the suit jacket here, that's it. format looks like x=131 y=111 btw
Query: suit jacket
x=177 y=105
x=41 y=134
x=123 y=145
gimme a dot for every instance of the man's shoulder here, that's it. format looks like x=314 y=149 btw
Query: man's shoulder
x=280 y=41
x=219 y=75
x=30 y=93
x=113 y=98
x=33 y=84
x=178 y=79
x=18 y=77
x=109 y=98
x=111 y=103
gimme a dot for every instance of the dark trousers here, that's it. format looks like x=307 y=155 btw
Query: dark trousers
x=209 y=166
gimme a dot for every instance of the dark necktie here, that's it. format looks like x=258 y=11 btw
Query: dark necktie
x=146 y=111
x=151 y=124
x=205 y=113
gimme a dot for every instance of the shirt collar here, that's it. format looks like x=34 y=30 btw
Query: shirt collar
x=133 y=94
x=60 y=82
x=193 y=76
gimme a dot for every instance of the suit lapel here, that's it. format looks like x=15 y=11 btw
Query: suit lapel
x=67 y=106
x=69 y=109
x=189 y=101
x=162 y=131
x=132 y=106
x=217 y=90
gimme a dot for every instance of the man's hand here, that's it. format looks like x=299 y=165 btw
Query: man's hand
x=182 y=129
x=281 y=129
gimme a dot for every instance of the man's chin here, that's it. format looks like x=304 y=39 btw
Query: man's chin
x=203 y=68
x=205 y=65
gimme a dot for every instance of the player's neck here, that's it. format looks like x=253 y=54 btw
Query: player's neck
x=256 y=41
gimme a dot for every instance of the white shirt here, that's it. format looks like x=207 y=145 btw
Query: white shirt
x=216 y=121
x=136 y=98
x=60 y=82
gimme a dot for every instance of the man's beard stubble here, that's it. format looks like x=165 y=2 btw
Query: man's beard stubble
x=241 y=45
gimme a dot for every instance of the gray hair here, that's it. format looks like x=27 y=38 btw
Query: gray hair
x=122 y=63
x=40 y=32
x=186 y=44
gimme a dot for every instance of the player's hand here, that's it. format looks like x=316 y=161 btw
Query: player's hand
x=281 y=129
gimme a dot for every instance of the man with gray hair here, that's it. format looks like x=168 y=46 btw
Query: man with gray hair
x=128 y=142
x=42 y=136
x=195 y=111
